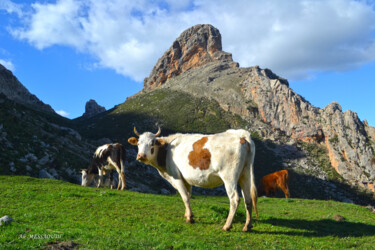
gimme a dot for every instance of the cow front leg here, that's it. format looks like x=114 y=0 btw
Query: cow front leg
x=111 y=178
x=100 y=178
x=185 y=191
x=234 y=200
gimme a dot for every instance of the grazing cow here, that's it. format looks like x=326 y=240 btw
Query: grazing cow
x=208 y=161
x=108 y=157
x=270 y=183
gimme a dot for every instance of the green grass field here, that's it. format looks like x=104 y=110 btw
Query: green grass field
x=46 y=211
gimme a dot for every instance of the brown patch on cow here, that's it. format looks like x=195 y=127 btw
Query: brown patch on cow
x=200 y=157
x=244 y=141
x=160 y=142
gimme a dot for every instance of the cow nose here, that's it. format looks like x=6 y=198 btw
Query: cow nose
x=141 y=157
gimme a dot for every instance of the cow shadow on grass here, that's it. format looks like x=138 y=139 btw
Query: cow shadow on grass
x=319 y=228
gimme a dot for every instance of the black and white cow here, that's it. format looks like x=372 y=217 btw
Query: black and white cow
x=108 y=157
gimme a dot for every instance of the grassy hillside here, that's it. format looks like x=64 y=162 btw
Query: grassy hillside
x=172 y=110
x=48 y=212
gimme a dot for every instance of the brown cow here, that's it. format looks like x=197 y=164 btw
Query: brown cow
x=270 y=183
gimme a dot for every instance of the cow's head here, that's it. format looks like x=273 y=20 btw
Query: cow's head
x=86 y=178
x=148 y=146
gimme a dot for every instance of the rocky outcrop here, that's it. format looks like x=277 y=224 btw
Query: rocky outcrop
x=14 y=90
x=343 y=134
x=267 y=102
x=35 y=145
x=197 y=46
x=92 y=108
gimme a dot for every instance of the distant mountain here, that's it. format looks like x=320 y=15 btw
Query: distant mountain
x=14 y=90
x=92 y=108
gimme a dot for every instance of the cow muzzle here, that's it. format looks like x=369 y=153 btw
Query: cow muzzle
x=141 y=157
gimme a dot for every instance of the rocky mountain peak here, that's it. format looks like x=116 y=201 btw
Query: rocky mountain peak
x=92 y=108
x=267 y=102
x=333 y=107
x=15 y=91
x=195 y=47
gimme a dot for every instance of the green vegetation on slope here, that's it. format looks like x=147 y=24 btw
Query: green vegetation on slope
x=49 y=210
x=175 y=111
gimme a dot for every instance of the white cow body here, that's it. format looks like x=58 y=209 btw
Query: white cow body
x=204 y=161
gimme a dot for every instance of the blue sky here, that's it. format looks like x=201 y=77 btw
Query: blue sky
x=69 y=51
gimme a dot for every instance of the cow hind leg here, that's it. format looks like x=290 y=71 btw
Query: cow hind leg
x=189 y=215
x=245 y=187
x=234 y=200
x=285 y=189
x=119 y=184
x=123 y=183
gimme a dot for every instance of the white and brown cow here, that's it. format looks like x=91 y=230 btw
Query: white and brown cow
x=108 y=157
x=208 y=161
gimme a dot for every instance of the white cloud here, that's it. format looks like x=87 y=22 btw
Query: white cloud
x=294 y=38
x=7 y=64
x=11 y=7
x=62 y=113
x=52 y=24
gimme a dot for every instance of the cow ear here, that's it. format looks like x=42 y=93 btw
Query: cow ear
x=83 y=171
x=160 y=142
x=133 y=141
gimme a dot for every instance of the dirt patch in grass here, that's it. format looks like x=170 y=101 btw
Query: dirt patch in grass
x=62 y=245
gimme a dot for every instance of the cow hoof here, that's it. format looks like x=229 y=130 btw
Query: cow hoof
x=190 y=221
x=246 y=229
x=226 y=228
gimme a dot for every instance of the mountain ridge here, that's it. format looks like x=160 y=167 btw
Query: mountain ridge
x=259 y=93
x=11 y=87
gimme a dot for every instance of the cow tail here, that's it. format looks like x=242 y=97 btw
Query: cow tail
x=286 y=181
x=253 y=189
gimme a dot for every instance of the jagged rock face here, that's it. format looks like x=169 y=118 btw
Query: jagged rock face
x=92 y=108
x=266 y=101
x=197 y=46
x=14 y=90
x=343 y=134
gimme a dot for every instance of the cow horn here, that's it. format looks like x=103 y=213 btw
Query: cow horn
x=158 y=133
x=135 y=132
